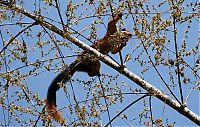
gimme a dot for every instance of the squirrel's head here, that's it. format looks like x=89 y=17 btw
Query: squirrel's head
x=118 y=40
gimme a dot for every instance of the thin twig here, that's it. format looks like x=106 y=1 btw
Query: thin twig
x=128 y=106
x=58 y=9
x=57 y=47
x=151 y=112
x=177 y=56
x=109 y=118
x=109 y=95
x=13 y=38
x=195 y=86
x=17 y=23
x=43 y=109
x=6 y=86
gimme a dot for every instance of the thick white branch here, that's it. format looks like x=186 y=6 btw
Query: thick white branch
x=147 y=86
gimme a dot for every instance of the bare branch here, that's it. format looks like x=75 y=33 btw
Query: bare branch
x=177 y=56
x=13 y=38
x=128 y=106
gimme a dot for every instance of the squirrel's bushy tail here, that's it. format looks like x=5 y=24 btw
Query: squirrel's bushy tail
x=61 y=78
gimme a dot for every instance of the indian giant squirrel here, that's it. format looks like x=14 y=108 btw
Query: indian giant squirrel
x=113 y=41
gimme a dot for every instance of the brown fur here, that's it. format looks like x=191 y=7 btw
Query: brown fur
x=112 y=41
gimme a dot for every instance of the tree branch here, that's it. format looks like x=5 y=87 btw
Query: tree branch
x=177 y=56
x=128 y=106
x=13 y=38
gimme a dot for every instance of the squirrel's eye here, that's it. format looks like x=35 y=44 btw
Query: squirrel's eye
x=123 y=29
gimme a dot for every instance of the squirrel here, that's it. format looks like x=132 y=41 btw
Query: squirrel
x=113 y=42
